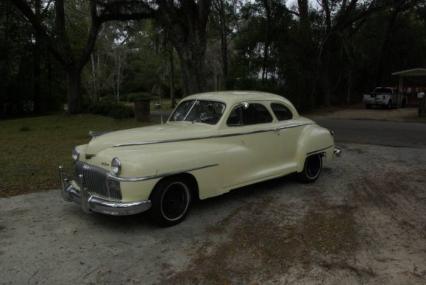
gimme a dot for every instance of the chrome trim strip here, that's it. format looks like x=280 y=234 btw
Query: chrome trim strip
x=84 y=195
x=100 y=205
x=143 y=178
x=320 y=150
x=64 y=182
x=293 y=126
x=211 y=137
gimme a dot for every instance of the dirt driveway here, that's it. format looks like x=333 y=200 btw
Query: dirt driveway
x=364 y=221
x=360 y=113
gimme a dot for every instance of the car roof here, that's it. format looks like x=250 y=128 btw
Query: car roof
x=379 y=87
x=232 y=97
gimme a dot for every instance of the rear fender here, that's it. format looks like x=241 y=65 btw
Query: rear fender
x=314 y=139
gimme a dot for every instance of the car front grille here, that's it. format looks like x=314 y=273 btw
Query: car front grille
x=95 y=180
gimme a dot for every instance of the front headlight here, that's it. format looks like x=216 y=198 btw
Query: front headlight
x=75 y=154
x=115 y=166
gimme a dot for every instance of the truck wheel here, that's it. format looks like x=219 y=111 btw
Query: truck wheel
x=389 y=105
x=171 y=201
x=312 y=169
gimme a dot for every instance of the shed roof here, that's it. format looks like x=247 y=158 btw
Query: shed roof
x=411 y=72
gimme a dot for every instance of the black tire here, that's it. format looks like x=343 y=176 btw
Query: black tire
x=367 y=106
x=312 y=169
x=171 y=201
x=389 y=106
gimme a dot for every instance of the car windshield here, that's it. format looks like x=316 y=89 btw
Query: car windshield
x=200 y=111
x=380 y=91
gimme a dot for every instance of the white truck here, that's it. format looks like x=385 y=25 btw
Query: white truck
x=387 y=97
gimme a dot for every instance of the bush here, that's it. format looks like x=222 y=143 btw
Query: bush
x=24 y=129
x=112 y=109
x=137 y=96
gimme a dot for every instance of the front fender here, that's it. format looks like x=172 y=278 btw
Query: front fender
x=199 y=158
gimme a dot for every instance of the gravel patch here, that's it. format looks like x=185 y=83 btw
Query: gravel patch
x=363 y=221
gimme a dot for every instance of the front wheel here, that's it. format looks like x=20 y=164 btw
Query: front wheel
x=171 y=200
x=312 y=169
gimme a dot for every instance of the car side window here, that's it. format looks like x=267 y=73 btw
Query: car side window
x=253 y=114
x=281 y=112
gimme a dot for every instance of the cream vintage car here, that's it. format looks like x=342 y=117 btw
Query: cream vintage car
x=212 y=143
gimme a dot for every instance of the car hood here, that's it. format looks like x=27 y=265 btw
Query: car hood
x=151 y=134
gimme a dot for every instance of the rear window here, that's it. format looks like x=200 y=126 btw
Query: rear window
x=281 y=112
x=254 y=114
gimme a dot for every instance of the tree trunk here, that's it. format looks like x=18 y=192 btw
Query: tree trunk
x=224 y=43
x=193 y=68
x=74 y=91
x=188 y=34
x=385 y=45
x=94 y=78
x=325 y=75
x=60 y=47
x=306 y=53
x=267 y=41
x=422 y=107
x=118 y=79
x=172 y=78
x=349 y=87
x=38 y=100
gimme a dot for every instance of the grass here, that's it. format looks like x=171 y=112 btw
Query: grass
x=32 y=148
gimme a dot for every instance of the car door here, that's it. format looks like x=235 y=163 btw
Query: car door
x=288 y=130
x=251 y=133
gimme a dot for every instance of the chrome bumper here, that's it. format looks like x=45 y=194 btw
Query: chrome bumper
x=337 y=152
x=93 y=203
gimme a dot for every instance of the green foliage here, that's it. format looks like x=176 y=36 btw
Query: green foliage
x=24 y=129
x=268 y=48
x=313 y=66
x=132 y=57
x=112 y=109
x=139 y=96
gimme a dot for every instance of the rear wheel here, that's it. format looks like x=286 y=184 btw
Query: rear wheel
x=171 y=200
x=389 y=104
x=312 y=169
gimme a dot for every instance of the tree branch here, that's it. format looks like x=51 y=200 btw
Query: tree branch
x=28 y=13
x=93 y=35
x=124 y=10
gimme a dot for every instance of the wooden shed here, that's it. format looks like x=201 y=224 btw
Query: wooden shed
x=411 y=82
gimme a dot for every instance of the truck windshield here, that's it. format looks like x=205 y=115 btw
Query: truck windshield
x=379 y=91
x=200 y=111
